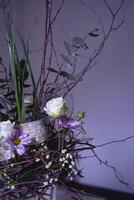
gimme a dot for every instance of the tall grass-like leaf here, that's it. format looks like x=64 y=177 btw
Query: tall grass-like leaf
x=67 y=75
x=18 y=87
x=26 y=52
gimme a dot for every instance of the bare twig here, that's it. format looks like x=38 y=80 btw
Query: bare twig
x=115 y=141
x=116 y=172
x=98 y=51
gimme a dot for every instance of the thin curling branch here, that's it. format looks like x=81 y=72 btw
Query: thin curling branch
x=115 y=171
x=57 y=13
x=115 y=141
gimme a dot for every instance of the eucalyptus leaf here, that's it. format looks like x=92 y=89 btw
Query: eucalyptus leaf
x=93 y=34
x=5 y=102
x=79 y=42
x=10 y=93
x=2 y=85
x=67 y=75
x=67 y=61
x=54 y=85
x=3 y=111
x=70 y=49
x=0 y=60
x=26 y=85
x=3 y=81
x=52 y=70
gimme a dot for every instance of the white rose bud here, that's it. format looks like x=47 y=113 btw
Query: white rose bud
x=55 y=107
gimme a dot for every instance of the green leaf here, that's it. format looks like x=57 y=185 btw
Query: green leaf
x=67 y=75
x=23 y=72
x=79 y=42
x=3 y=111
x=26 y=85
x=54 y=85
x=0 y=60
x=52 y=70
x=94 y=34
x=67 y=61
x=26 y=52
x=70 y=49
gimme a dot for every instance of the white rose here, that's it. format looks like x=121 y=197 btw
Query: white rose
x=55 y=107
x=6 y=128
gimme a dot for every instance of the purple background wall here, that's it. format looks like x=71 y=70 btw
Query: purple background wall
x=106 y=94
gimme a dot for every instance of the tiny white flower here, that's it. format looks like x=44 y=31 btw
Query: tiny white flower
x=72 y=162
x=51 y=180
x=48 y=165
x=75 y=172
x=63 y=159
x=56 y=179
x=63 y=151
x=70 y=166
x=71 y=178
x=47 y=176
x=45 y=183
x=47 y=156
x=67 y=155
x=70 y=156
x=5 y=174
x=12 y=187
x=37 y=159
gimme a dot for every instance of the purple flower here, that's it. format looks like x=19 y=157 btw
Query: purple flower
x=18 y=141
x=71 y=124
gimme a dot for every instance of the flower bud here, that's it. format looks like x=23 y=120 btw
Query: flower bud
x=80 y=115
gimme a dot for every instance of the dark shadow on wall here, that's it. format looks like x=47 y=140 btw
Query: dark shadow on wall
x=108 y=194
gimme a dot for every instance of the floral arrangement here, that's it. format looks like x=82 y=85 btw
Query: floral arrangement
x=40 y=138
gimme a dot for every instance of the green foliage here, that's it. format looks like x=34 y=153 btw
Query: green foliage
x=79 y=42
x=67 y=60
x=67 y=75
x=0 y=60
x=17 y=74
x=94 y=33
x=70 y=49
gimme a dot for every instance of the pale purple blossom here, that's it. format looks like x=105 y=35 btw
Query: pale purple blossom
x=71 y=124
x=18 y=141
